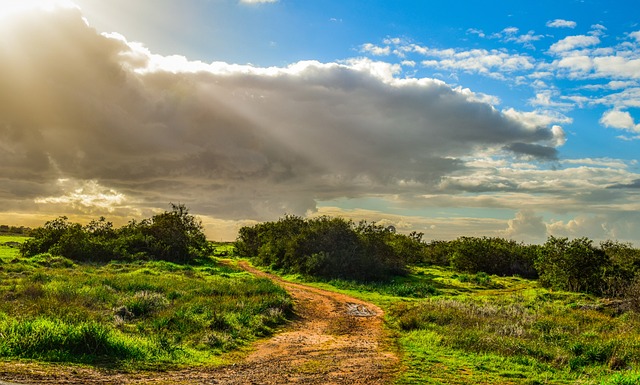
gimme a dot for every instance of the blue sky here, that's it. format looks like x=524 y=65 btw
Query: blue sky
x=499 y=118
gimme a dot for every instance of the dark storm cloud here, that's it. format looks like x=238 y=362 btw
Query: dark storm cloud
x=535 y=150
x=633 y=185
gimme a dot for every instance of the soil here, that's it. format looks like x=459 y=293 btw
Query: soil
x=334 y=339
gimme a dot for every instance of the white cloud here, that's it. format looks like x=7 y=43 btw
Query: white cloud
x=375 y=50
x=538 y=118
x=408 y=63
x=578 y=63
x=545 y=99
x=620 y=120
x=87 y=196
x=628 y=97
x=475 y=31
x=510 y=30
x=597 y=30
x=618 y=67
x=561 y=23
x=487 y=62
x=510 y=34
x=570 y=43
x=613 y=85
x=622 y=226
x=527 y=227
x=493 y=63
x=526 y=39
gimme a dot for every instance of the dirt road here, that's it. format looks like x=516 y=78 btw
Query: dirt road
x=335 y=339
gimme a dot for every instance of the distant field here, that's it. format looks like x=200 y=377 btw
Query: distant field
x=470 y=329
x=7 y=252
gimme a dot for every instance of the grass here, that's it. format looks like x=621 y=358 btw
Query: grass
x=481 y=329
x=131 y=315
x=8 y=249
x=450 y=328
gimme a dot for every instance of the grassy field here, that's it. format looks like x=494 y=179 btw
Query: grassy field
x=8 y=250
x=477 y=329
x=450 y=328
x=131 y=316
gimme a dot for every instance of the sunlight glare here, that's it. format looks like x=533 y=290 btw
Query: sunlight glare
x=9 y=7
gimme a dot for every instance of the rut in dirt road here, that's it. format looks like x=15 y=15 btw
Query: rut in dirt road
x=335 y=339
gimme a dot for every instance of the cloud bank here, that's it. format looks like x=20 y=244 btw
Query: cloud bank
x=94 y=124
x=232 y=141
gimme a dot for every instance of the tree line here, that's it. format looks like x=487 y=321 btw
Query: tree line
x=338 y=248
x=329 y=248
x=14 y=230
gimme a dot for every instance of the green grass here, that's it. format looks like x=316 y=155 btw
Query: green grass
x=8 y=250
x=132 y=315
x=450 y=328
x=480 y=329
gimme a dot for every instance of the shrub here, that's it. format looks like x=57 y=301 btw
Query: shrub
x=173 y=236
x=324 y=247
x=574 y=265
x=493 y=256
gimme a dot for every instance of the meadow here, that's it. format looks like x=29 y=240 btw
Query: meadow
x=468 y=311
x=487 y=329
x=131 y=315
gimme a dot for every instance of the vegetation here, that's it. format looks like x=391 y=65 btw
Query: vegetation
x=611 y=269
x=174 y=236
x=479 y=328
x=481 y=310
x=14 y=230
x=128 y=315
x=329 y=248
x=325 y=247
x=471 y=310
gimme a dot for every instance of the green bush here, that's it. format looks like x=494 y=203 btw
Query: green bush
x=325 y=247
x=493 y=256
x=574 y=265
x=173 y=236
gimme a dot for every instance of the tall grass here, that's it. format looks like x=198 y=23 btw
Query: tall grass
x=132 y=314
x=556 y=334
x=52 y=339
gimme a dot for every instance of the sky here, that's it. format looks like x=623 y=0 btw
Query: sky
x=505 y=119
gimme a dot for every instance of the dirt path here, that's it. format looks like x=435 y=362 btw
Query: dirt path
x=335 y=339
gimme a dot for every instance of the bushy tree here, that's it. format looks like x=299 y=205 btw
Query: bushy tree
x=623 y=267
x=493 y=256
x=411 y=247
x=438 y=253
x=175 y=235
x=324 y=247
x=172 y=235
x=574 y=265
